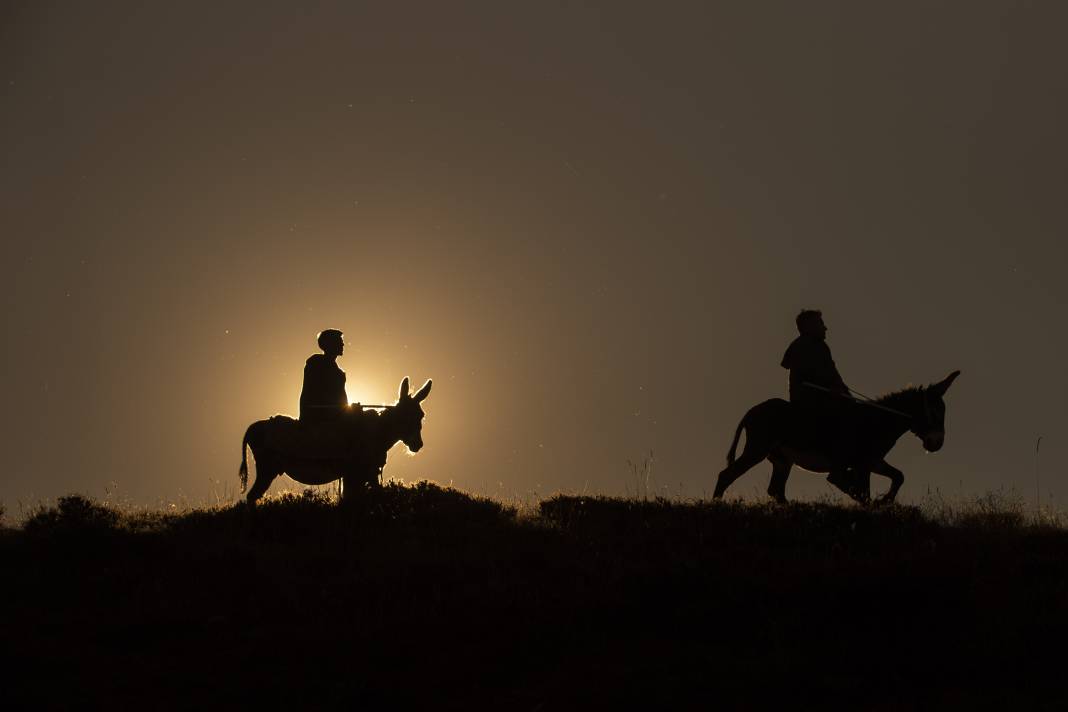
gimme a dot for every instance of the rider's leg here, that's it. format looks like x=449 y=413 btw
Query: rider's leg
x=843 y=451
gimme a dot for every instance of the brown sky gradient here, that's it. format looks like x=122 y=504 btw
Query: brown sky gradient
x=591 y=223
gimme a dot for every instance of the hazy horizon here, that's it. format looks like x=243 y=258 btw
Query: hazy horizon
x=591 y=225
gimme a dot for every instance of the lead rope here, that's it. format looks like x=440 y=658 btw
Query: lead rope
x=863 y=400
x=368 y=406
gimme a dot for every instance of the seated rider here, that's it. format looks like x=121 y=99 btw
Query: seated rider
x=820 y=394
x=323 y=397
x=814 y=379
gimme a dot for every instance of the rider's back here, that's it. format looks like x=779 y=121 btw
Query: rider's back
x=322 y=396
x=809 y=362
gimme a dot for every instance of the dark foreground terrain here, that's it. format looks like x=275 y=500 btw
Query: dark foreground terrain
x=425 y=597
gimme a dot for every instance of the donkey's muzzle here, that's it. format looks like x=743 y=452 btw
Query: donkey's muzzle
x=933 y=441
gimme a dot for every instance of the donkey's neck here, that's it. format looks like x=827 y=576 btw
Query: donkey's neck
x=388 y=432
x=908 y=403
x=904 y=400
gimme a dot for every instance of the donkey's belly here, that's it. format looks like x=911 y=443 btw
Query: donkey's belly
x=313 y=473
x=811 y=461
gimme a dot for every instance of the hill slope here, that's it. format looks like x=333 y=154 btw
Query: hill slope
x=426 y=596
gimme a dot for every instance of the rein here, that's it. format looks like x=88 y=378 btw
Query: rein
x=862 y=399
x=865 y=400
x=368 y=406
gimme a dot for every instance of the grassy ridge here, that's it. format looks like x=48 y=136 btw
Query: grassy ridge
x=426 y=596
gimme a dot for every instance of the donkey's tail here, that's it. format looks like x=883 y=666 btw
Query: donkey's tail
x=243 y=471
x=734 y=443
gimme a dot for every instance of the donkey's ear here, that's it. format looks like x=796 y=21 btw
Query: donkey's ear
x=423 y=392
x=403 y=389
x=942 y=386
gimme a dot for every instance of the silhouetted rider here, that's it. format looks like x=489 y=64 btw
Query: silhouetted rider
x=323 y=397
x=809 y=360
x=822 y=396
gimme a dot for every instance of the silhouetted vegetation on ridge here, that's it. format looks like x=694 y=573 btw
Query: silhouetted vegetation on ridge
x=424 y=595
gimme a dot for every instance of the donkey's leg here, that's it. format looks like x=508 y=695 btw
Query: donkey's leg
x=739 y=467
x=265 y=474
x=780 y=472
x=353 y=488
x=855 y=482
x=897 y=478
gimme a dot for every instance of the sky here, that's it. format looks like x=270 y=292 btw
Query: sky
x=592 y=224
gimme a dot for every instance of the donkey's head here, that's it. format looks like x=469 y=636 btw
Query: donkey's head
x=931 y=418
x=408 y=415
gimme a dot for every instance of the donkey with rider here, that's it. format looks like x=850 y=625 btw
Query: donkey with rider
x=823 y=429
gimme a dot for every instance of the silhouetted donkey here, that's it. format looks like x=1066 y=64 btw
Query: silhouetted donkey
x=772 y=431
x=372 y=435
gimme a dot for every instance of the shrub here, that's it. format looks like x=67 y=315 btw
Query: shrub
x=73 y=514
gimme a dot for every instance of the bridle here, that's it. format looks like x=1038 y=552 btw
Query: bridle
x=928 y=420
x=926 y=413
x=872 y=403
x=915 y=429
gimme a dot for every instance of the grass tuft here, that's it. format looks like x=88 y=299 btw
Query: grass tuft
x=73 y=514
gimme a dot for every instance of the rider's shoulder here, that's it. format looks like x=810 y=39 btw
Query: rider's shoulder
x=802 y=350
x=806 y=342
x=798 y=344
x=317 y=360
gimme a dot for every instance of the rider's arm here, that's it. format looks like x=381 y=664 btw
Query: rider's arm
x=834 y=379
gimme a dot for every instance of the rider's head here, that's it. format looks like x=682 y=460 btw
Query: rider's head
x=331 y=342
x=810 y=323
